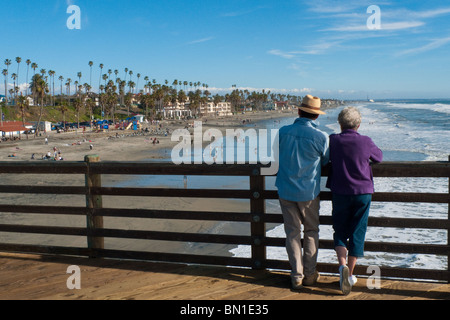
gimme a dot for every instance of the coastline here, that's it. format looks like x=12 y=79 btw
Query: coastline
x=127 y=146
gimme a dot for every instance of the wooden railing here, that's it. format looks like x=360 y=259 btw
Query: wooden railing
x=257 y=217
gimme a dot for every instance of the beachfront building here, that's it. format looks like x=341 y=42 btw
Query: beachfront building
x=219 y=109
x=176 y=110
x=14 y=129
x=44 y=126
x=282 y=105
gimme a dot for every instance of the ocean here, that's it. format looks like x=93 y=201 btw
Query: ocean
x=405 y=130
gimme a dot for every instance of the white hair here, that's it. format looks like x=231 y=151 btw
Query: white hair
x=349 y=118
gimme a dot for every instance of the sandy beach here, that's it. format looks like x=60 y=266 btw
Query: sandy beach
x=120 y=145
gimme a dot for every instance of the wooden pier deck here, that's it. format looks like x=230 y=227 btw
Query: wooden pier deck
x=44 y=277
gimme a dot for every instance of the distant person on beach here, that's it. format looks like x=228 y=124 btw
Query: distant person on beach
x=351 y=184
x=303 y=150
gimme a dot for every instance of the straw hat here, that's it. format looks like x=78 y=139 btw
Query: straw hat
x=311 y=104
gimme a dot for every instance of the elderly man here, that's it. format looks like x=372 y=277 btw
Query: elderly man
x=303 y=150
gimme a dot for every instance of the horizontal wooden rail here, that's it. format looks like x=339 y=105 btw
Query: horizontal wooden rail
x=256 y=217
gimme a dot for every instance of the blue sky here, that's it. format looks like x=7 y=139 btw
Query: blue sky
x=321 y=47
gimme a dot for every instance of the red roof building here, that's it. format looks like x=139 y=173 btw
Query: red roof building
x=14 y=127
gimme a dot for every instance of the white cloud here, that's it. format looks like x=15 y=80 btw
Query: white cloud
x=272 y=90
x=280 y=53
x=22 y=87
x=384 y=26
x=437 y=43
x=432 y=13
x=201 y=40
x=241 y=13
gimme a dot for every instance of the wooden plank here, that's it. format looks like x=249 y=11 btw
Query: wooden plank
x=68 y=231
x=438 y=249
x=411 y=197
x=144 y=168
x=419 y=197
x=42 y=189
x=388 y=222
x=44 y=277
x=66 y=167
x=173 y=192
x=172 y=236
x=411 y=169
x=174 y=214
x=93 y=201
x=43 y=209
x=257 y=226
x=39 y=249
x=175 y=257
x=396 y=290
x=385 y=169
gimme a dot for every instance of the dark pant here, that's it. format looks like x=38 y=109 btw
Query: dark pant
x=350 y=215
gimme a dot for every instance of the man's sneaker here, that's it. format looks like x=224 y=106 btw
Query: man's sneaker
x=297 y=283
x=311 y=280
x=344 y=282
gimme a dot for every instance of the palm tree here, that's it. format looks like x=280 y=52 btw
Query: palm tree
x=7 y=63
x=100 y=78
x=51 y=73
x=137 y=85
x=90 y=104
x=130 y=73
x=127 y=101
x=18 y=60
x=105 y=77
x=39 y=88
x=28 y=62
x=131 y=86
x=22 y=104
x=146 y=78
x=5 y=73
x=68 y=81
x=61 y=78
x=63 y=108
x=78 y=105
x=90 y=76
x=14 y=77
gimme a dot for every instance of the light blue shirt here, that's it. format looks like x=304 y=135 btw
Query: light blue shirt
x=303 y=150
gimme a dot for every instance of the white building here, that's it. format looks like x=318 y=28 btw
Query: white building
x=44 y=126
x=221 y=109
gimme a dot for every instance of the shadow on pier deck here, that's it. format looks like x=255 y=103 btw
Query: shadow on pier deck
x=30 y=277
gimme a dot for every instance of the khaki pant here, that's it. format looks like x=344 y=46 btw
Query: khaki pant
x=296 y=214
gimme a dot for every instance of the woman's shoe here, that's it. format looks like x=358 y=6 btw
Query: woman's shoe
x=352 y=279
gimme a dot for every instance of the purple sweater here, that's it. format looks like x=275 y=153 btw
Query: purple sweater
x=350 y=156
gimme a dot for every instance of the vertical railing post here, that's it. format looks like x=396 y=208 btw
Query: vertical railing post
x=258 y=226
x=448 y=229
x=93 y=202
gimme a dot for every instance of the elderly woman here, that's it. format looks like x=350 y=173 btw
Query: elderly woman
x=351 y=184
